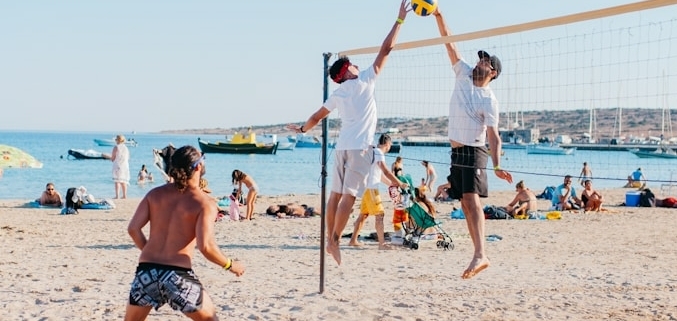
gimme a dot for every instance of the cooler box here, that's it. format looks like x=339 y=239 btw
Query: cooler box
x=632 y=198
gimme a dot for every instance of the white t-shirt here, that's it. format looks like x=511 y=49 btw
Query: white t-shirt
x=375 y=171
x=471 y=109
x=357 y=108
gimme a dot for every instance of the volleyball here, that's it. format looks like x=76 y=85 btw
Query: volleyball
x=424 y=7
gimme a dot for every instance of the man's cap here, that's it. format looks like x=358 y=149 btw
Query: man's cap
x=495 y=62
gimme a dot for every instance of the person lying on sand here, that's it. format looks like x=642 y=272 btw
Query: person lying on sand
x=291 y=210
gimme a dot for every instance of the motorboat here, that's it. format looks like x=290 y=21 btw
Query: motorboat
x=111 y=142
x=87 y=154
x=309 y=141
x=237 y=146
x=661 y=152
x=282 y=144
x=549 y=149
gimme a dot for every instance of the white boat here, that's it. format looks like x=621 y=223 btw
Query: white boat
x=661 y=152
x=308 y=141
x=548 y=149
x=111 y=142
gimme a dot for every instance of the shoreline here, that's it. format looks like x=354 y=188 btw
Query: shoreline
x=607 y=265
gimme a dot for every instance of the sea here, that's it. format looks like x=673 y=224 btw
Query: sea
x=293 y=172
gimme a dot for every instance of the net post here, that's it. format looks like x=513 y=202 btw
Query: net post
x=323 y=194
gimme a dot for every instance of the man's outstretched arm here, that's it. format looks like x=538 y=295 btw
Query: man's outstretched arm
x=389 y=41
x=452 y=51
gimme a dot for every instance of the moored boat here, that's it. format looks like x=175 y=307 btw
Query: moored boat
x=87 y=154
x=658 y=153
x=111 y=142
x=308 y=141
x=236 y=148
x=547 y=149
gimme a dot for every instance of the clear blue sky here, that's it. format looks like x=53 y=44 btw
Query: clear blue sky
x=148 y=66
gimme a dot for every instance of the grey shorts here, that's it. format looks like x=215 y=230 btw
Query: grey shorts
x=157 y=284
x=468 y=172
x=351 y=168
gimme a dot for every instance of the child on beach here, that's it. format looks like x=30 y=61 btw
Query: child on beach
x=371 y=200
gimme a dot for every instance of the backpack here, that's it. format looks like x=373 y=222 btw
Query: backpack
x=647 y=198
x=547 y=193
x=493 y=212
x=73 y=202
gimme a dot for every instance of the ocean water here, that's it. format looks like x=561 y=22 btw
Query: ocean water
x=287 y=172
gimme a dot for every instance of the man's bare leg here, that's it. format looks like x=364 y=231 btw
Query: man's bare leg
x=345 y=206
x=474 y=217
x=206 y=312
x=380 y=233
x=332 y=206
x=359 y=223
x=135 y=312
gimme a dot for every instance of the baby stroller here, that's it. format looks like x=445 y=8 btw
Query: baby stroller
x=419 y=221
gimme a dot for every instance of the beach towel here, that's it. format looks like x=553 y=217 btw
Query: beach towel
x=36 y=204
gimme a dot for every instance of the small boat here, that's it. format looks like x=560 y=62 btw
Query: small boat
x=236 y=148
x=282 y=144
x=308 y=141
x=395 y=147
x=662 y=152
x=87 y=154
x=548 y=149
x=111 y=142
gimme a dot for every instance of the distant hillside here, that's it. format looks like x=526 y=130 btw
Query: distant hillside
x=636 y=121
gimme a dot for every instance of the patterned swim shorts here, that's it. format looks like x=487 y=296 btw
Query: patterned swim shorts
x=157 y=284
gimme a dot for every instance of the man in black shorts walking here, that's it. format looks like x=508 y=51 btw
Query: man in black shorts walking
x=473 y=117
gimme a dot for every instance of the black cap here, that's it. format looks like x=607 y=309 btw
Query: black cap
x=495 y=62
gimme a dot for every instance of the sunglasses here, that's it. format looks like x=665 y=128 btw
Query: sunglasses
x=50 y=189
x=201 y=159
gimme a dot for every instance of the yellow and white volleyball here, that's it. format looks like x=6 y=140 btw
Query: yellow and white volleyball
x=424 y=7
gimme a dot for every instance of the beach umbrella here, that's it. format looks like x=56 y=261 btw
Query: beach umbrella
x=12 y=157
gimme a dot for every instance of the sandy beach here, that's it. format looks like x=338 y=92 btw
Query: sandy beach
x=617 y=265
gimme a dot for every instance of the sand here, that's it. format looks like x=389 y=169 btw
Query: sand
x=618 y=265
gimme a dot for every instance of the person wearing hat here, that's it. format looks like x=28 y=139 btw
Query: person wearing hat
x=636 y=179
x=473 y=118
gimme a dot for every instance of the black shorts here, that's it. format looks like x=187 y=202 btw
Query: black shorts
x=157 y=284
x=468 y=172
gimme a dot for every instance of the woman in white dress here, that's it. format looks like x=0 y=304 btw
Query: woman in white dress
x=120 y=158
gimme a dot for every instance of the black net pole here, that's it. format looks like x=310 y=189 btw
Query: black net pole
x=323 y=193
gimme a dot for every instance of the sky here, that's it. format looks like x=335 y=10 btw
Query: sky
x=149 y=66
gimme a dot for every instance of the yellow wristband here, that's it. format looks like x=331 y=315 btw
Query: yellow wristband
x=497 y=168
x=228 y=265
x=399 y=20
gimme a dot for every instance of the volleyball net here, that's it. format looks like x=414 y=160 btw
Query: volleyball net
x=614 y=71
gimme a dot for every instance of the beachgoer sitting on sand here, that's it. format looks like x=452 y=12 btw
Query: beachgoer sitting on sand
x=564 y=197
x=50 y=197
x=525 y=201
x=442 y=195
x=291 y=210
x=636 y=179
x=592 y=199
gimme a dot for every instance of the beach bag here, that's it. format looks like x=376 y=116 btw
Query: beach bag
x=492 y=212
x=234 y=209
x=73 y=202
x=647 y=198
x=547 y=193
